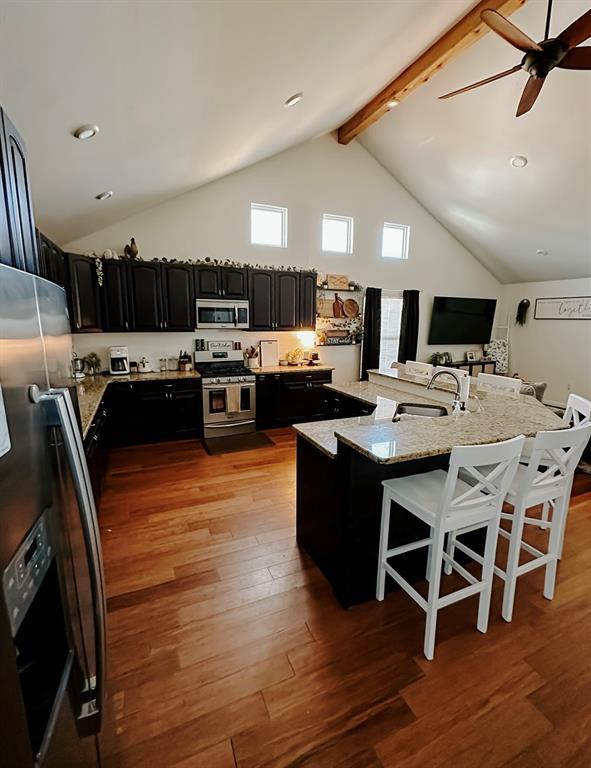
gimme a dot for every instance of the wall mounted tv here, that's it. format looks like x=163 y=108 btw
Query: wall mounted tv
x=458 y=320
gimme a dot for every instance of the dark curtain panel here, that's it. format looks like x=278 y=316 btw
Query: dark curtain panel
x=372 y=326
x=409 y=327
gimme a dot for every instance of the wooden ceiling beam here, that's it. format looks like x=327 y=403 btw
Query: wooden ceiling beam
x=459 y=37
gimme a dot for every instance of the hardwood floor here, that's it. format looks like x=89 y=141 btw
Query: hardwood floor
x=226 y=647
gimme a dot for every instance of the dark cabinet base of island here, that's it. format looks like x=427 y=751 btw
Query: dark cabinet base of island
x=339 y=504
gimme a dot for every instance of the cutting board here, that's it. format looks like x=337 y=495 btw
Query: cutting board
x=269 y=352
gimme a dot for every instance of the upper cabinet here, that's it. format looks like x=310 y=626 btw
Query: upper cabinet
x=262 y=299
x=287 y=300
x=220 y=282
x=282 y=301
x=145 y=296
x=84 y=296
x=51 y=260
x=114 y=292
x=18 y=242
x=308 y=295
x=178 y=297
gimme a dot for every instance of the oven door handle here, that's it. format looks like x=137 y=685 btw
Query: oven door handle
x=60 y=413
x=249 y=384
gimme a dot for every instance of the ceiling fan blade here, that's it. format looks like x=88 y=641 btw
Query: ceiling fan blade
x=482 y=82
x=577 y=58
x=508 y=31
x=530 y=94
x=578 y=31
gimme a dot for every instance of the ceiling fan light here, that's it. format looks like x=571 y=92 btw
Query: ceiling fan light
x=519 y=161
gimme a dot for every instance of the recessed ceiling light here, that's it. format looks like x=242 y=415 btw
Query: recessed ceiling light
x=86 y=131
x=392 y=103
x=105 y=195
x=519 y=161
x=541 y=252
x=293 y=100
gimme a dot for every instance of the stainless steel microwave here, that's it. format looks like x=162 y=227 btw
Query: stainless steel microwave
x=213 y=313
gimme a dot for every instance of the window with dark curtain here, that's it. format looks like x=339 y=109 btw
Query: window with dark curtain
x=409 y=326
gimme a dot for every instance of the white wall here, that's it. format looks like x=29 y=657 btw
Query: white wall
x=317 y=177
x=556 y=351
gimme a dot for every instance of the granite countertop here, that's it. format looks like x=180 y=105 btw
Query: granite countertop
x=499 y=417
x=92 y=388
x=323 y=433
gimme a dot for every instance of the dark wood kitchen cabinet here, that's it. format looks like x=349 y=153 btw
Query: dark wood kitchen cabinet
x=282 y=301
x=96 y=447
x=287 y=300
x=178 y=297
x=262 y=299
x=83 y=294
x=286 y=398
x=148 y=411
x=308 y=294
x=114 y=294
x=144 y=280
x=18 y=241
x=221 y=282
x=52 y=264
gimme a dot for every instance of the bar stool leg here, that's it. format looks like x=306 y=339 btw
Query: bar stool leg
x=451 y=548
x=554 y=544
x=433 y=596
x=490 y=548
x=513 y=561
x=384 y=531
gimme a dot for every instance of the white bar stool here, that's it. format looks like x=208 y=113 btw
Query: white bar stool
x=577 y=413
x=448 y=504
x=548 y=477
x=502 y=385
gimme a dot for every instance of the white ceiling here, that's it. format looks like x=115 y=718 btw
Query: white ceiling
x=185 y=92
x=453 y=156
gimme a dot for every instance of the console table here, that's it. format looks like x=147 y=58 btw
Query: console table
x=482 y=366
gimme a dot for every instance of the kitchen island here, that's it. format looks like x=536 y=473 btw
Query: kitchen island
x=341 y=464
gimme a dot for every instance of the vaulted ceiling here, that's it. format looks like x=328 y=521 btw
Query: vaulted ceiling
x=454 y=157
x=186 y=92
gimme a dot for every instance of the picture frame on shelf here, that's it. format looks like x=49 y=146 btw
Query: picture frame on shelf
x=471 y=356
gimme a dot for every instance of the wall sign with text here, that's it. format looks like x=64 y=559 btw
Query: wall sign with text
x=563 y=308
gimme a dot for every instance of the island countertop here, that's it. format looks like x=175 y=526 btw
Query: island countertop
x=500 y=417
x=91 y=389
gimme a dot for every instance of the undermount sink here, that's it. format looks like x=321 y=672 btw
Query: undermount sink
x=419 y=409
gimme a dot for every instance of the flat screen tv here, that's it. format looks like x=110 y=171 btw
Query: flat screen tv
x=458 y=320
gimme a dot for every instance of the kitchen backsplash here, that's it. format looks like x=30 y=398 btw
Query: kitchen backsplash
x=153 y=346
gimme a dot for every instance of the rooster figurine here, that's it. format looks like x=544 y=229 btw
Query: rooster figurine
x=131 y=249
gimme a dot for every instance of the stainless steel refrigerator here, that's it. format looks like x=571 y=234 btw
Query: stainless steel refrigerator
x=52 y=600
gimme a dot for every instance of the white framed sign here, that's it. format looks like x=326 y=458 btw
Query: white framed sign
x=563 y=308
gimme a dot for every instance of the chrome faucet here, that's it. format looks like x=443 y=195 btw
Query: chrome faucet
x=457 y=402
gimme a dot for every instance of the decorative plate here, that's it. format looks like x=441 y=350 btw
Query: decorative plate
x=351 y=308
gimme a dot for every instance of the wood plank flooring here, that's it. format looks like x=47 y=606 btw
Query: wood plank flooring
x=227 y=649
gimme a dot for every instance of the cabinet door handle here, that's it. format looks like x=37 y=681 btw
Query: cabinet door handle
x=165 y=324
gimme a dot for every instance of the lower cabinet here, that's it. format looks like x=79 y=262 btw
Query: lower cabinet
x=148 y=411
x=341 y=406
x=96 y=448
x=286 y=398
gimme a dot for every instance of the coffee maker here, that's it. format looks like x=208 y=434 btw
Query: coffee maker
x=118 y=361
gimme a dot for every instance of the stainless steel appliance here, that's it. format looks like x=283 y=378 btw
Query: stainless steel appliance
x=229 y=403
x=118 y=361
x=52 y=604
x=215 y=313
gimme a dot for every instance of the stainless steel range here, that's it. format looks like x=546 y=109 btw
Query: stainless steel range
x=229 y=403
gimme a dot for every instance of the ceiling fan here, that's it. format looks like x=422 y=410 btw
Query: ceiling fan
x=540 y=58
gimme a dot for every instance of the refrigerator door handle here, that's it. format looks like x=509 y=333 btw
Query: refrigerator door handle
x=60 y=413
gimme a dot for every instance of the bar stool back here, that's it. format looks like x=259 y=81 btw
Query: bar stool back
x=448 y=504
